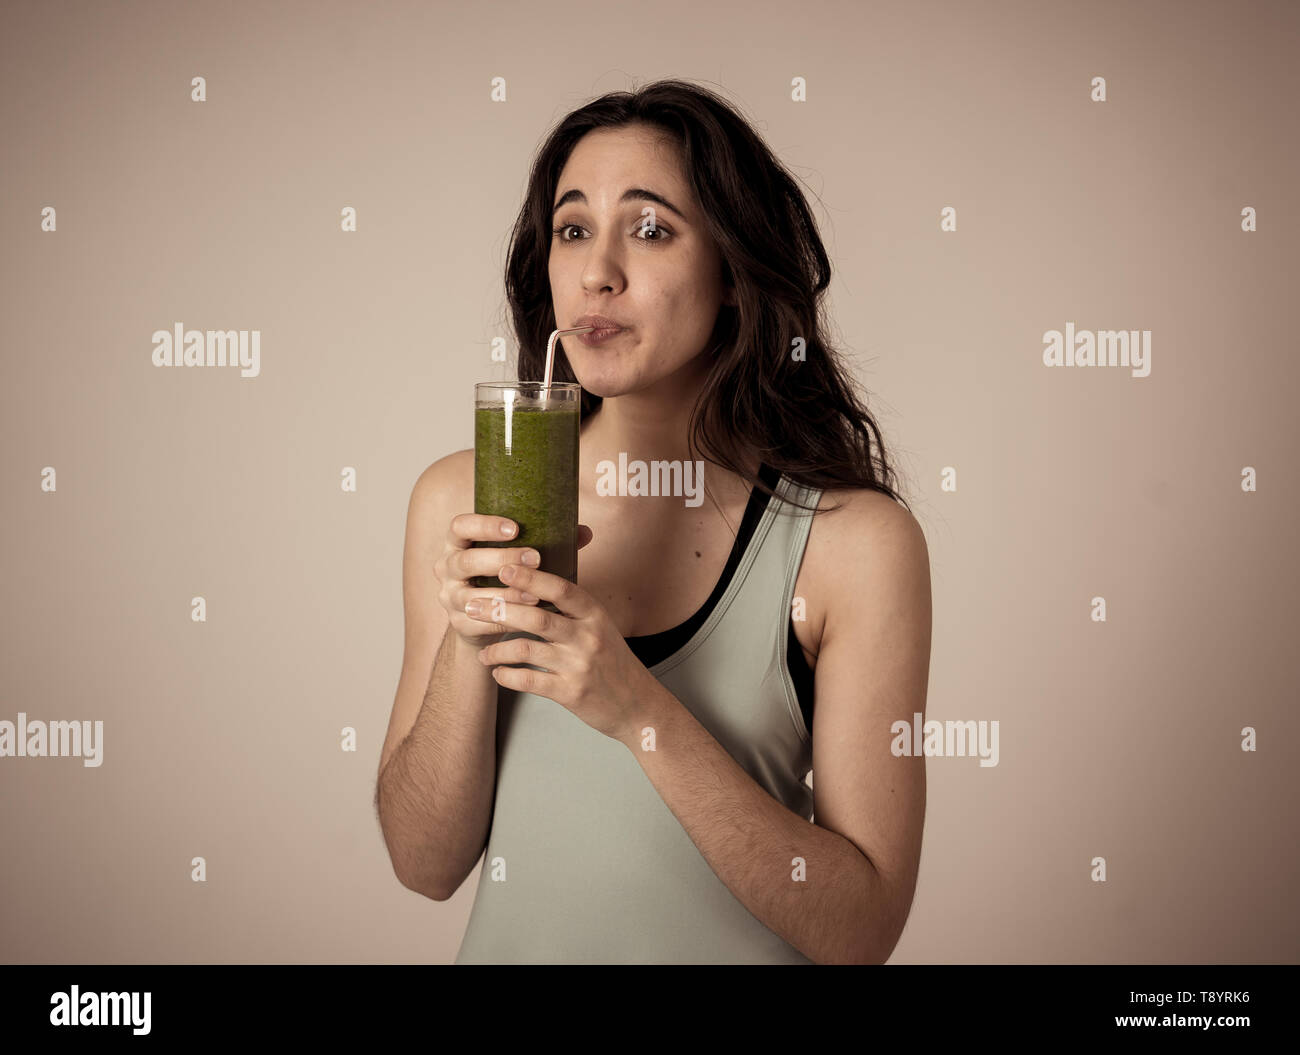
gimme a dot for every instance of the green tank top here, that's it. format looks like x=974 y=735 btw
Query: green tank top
x=596 y=867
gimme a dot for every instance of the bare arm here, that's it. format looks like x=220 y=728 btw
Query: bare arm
x=437 y=771
x=434 y=793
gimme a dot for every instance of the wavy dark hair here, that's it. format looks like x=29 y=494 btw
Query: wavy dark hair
x=804 y=418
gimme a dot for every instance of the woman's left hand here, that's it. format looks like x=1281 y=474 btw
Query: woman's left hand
x=589 y=668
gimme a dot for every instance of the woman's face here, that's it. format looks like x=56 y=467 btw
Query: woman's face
x=662 y=283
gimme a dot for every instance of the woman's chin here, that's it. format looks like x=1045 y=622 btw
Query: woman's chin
x=602 y=383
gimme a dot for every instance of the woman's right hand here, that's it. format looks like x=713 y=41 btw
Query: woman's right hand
x=461 y=561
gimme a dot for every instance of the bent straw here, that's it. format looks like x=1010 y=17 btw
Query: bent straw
x=550 y=354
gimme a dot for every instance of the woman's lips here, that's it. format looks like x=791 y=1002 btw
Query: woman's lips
x=598 y=337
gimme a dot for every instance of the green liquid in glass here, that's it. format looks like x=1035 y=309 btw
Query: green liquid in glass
x=534 y=482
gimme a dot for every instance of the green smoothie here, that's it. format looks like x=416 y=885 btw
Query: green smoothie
x=532 y=479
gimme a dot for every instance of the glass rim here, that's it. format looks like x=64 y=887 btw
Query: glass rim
x=562 y=386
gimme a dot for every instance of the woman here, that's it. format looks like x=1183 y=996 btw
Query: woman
x=648 y=802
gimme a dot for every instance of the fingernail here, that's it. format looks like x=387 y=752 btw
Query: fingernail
x=507 y=529
x=528 y=597
x=532 y=557
x=473 y=607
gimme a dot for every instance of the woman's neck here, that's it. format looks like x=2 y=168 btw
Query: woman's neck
x=612 y=433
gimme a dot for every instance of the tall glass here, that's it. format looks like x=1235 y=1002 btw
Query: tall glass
x=526 y=468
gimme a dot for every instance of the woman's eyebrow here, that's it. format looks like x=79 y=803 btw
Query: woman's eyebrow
x=631 y=194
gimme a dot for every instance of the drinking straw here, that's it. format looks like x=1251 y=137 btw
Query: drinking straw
x=550 y=354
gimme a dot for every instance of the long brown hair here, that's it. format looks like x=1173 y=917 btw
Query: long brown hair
x=804 y=418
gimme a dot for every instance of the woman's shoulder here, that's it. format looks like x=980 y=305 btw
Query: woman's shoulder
x=858 y=508
x=856 y=532
x=445 y=484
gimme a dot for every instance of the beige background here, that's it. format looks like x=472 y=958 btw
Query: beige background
x=222 y=739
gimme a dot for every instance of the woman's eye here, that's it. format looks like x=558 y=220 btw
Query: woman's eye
x=660 y=234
